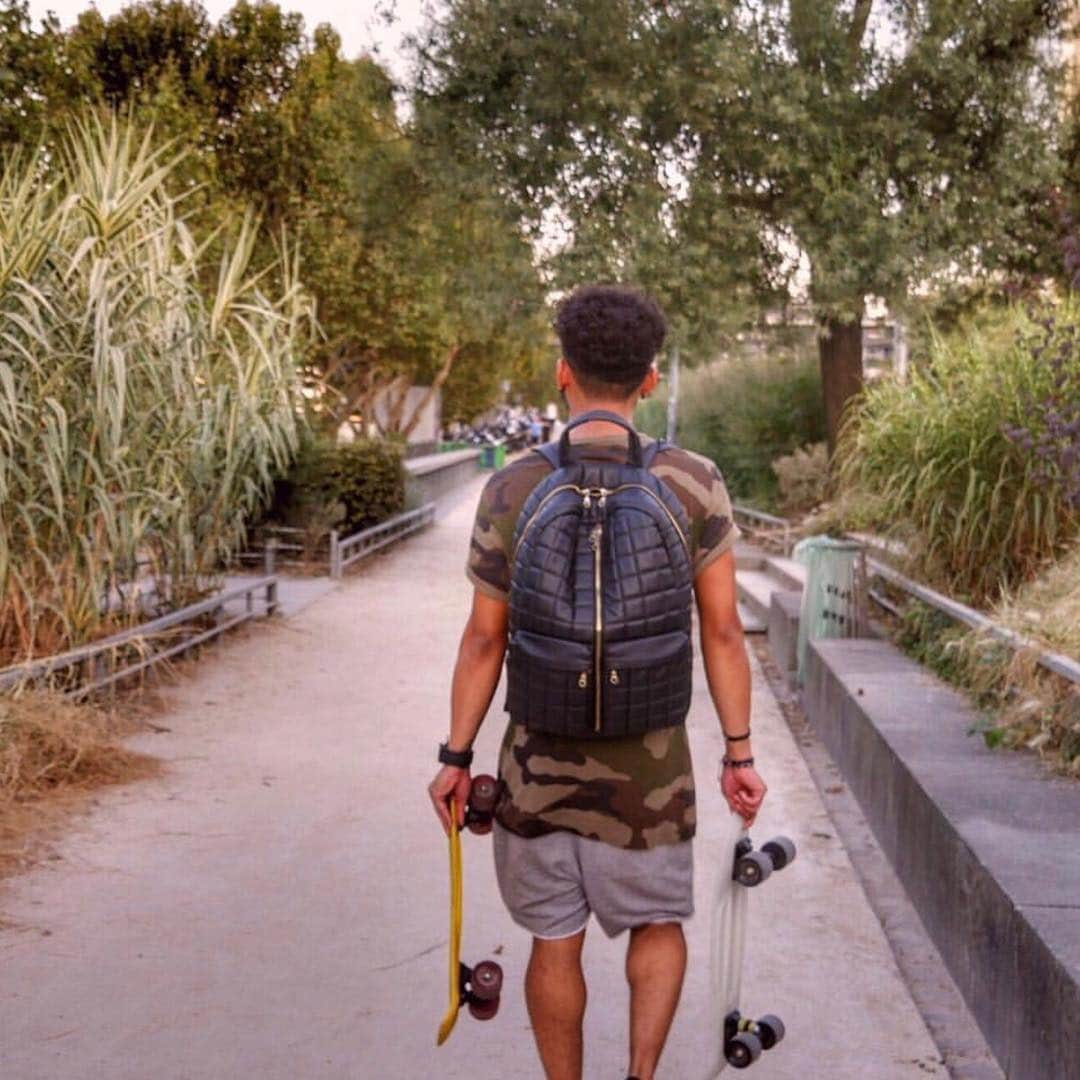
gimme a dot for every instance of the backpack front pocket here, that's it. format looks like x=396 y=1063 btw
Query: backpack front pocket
x=550 y=684
x=647 y=683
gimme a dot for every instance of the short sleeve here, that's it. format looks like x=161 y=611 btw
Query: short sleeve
x=488 y=566
x=718 y=529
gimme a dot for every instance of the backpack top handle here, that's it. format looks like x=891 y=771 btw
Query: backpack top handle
x=634 y=450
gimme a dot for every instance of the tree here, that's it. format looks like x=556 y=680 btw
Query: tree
x=34 y=74
x=866 y=146
x=418 y=269
x=422 y=273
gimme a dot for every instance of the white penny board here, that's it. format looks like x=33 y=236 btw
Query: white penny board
x=727 y=942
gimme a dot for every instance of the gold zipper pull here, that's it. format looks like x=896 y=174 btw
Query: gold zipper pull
x=583 y=680
x=613 y=678
x=594 y=537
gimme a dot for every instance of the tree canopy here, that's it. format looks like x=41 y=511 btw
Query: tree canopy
x=418 y=266
x=719 y=148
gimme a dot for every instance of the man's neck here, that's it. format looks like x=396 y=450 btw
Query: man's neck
x=599 y=429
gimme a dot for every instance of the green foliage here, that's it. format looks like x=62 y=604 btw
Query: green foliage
x=695 y=147
x=803 y=478
x=141 y=421
x=418 y=268
x=930 y=462
x=747 y=411
x=348 y=487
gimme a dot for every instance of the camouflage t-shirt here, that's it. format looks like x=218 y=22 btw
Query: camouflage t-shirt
x=634 y=792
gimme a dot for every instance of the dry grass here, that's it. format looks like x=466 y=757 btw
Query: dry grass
x=52 y=753
x=1048 y=608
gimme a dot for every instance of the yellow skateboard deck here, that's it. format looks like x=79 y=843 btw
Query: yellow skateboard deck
x=456 y=890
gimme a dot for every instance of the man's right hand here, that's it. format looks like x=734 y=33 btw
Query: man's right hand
x=744 y=790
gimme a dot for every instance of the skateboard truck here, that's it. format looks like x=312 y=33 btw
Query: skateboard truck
x=752 y=866
x=744 y=1039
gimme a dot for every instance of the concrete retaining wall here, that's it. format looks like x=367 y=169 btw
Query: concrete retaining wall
x=434 y=475
x=986 y=845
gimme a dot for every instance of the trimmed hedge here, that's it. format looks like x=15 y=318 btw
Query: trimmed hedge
x=744 y=413
x=347 y=487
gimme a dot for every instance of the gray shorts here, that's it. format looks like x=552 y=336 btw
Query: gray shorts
x=550 y=883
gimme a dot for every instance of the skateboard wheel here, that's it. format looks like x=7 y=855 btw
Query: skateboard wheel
x=742 y=1050
x=483 y=793
x=484 y=1010
x=770 y=1030
x=753 y=868
x=781 y=850
x=486 y=981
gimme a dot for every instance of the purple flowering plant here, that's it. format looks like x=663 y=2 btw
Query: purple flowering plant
x=1050 y=428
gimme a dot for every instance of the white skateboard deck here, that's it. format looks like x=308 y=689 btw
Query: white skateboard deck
x=727 y=942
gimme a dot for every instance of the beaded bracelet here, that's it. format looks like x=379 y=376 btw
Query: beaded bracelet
x=746 y=763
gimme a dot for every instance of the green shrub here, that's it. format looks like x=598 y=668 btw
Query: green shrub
x=746 y=412
x=953 y=463
x=803 y=477
x=347 y=487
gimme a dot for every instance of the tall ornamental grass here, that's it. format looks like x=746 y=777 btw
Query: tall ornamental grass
x=973 y=463
x=145 y=403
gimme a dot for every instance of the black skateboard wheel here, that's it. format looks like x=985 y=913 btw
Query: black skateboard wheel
x=742 y=1050
x=781 y=850
x=486 y=981
x=752 y=868
x=482 y=794
x=483 y=1010
x=770 y=1030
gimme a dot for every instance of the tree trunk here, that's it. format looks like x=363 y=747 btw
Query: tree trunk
x=432 y=390
x=840 y=351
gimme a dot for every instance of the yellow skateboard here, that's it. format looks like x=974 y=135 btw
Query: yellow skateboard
x=477 y=987
x=740 y=1040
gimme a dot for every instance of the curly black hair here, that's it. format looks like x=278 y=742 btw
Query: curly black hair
x=610 y=335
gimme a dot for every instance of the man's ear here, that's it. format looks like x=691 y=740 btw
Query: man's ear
x=564 y=375
x=651 y=381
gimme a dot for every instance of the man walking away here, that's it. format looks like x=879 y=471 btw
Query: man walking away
x=597 y=810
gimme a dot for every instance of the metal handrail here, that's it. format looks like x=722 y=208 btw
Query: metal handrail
x=92 y=655
x=767 y=519
x=344 y=552
x=1058 y=663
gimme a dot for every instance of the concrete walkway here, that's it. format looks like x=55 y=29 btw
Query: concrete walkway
x=276 y=905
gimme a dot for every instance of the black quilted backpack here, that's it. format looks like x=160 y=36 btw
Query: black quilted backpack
x=600 y=597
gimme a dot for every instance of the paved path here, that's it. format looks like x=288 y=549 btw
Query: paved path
x=275 y=905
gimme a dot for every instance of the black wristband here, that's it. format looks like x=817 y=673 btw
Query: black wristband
x=737 y=738
x=460 y=759
x=746 y=763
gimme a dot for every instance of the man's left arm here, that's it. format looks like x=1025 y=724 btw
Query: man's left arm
x=476 y=675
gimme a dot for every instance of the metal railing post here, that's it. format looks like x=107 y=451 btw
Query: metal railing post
x=270 y=566
x=335 y=555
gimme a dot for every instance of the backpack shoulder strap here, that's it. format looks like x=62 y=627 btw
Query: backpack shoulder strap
x=648 y=455
x=549 y=452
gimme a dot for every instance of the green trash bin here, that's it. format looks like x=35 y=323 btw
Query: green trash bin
x=832 y=602
x=493 y=457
